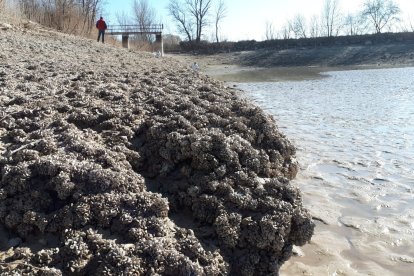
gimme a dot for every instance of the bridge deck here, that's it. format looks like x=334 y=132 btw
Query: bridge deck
x=135 y=29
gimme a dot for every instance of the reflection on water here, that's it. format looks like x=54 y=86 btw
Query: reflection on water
x=354 y=132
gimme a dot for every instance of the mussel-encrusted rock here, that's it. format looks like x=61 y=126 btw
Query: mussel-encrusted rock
x=117 y=163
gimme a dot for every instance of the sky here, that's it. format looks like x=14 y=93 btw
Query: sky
x=246 y=19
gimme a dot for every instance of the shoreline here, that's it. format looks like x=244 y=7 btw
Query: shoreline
x=321 y=256
x=225 y=67
x=140 y=156
x=329 y=251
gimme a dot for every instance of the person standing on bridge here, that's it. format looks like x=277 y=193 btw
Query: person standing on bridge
x=101 y=26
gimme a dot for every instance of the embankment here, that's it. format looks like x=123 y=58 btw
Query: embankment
x=115 y=162
x=373 y=49
x=301 y=63
x=378 y=55
x=299 y=59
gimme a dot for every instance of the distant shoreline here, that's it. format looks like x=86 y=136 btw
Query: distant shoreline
x=269 y=61
x=275 y=66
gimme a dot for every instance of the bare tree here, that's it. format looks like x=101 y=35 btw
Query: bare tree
x=286 y=31
x=71 y=16
x=314 y=26
x=88 y=9
x=408 y=25
x=331 y=17
x=270 y=31
x=144 y=17
x=298 y=26
x=350 y=24
x=66 y=15
x=199 y=9
x=190 y=16
x=411 y=25
x=183 y=22
x=381 y=13
x=123 y=19
x=220 y=14
x=355 y=24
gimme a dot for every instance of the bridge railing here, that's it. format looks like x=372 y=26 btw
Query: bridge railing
x=135 y=29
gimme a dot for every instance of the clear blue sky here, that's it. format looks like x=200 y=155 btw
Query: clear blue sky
x=246 y=19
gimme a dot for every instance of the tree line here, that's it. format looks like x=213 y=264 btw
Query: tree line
x=70 y=16
x=193 y=16
x=376 y=16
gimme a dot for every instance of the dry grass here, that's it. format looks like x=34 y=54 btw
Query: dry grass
x=9 y=13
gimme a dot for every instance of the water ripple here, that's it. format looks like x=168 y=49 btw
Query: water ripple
x=354 y=132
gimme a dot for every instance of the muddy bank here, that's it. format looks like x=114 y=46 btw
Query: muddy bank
x=115 y=162
x=223 y=67
x=392 y=54
x=301 y=63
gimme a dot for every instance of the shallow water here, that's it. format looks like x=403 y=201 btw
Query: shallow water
x=354 y=131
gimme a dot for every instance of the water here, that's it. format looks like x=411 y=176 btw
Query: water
x=354 y=131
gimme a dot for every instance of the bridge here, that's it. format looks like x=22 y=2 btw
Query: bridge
x=126 y=30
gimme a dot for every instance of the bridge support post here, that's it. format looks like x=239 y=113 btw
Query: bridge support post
x=159 y=40
x=125 y=41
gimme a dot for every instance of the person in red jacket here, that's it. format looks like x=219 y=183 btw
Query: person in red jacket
x=101 y=26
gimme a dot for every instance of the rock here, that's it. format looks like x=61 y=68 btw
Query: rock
x=5 y=26
x=298 y=252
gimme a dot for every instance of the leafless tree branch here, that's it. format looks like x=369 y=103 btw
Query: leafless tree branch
x=190 y=16
x=381 y=13
x=220 y=14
